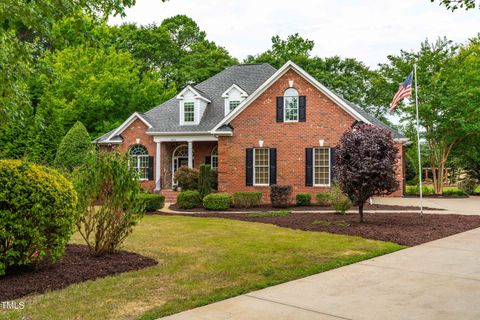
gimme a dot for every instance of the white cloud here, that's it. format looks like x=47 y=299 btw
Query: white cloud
x=368 y=30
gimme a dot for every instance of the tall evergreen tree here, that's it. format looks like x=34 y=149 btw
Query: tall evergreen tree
x=74 y=149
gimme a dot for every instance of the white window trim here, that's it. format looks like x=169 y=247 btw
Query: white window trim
x=285 y=107
x=137 y=164
x=268 y=167
x=329 y=168
x=183 y=112
x=212 y=155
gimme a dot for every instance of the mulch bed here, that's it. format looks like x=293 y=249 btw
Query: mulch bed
x=403 y=227
x=265 y=208
x=76 y=266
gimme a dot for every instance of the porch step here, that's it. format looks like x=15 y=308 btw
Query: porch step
x=170 y=195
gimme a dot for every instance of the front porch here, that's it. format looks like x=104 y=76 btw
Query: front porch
x=171 y=155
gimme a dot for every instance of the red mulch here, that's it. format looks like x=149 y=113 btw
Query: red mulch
x=77 y=265
x=402 y=227
x=264 y=208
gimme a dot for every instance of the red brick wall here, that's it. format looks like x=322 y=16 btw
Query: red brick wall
x=324 y=120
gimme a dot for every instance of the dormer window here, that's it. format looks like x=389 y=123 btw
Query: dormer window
x=290 y=103
x=233 y=98
x=193 y=104
x=189 y=111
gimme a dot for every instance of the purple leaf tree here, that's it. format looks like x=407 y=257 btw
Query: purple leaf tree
x=365 y=164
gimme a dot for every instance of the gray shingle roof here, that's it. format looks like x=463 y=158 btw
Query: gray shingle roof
x=165 y=118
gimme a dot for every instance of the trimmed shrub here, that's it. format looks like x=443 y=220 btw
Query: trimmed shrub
x=217 y=201
x=303 y=199
x=37 y=214
x=454 y=193
x=467 y=185
x=186 y=178
x=189 y=199
x=109 y=206
x=324 y=199
x=280 y=195
x=341 y=203
x=74 y=148
x=204 y=180
x=152 y=201
x=246 y=199
x=214 y=178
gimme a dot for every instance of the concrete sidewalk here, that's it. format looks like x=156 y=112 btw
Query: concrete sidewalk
x=437 y=280
x=469 y=206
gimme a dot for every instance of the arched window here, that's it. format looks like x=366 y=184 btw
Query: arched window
x=214 y=158
x=138 y=158
x=290 y=104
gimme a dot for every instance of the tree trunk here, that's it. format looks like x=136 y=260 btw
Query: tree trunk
x=360 y=212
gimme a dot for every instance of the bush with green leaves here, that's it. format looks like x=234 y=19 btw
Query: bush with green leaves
x=189 y=199
x=247 y=199
x=467 y=185
x=74 y=148
x=152 y=201
x=454 y=193
x=324 y=199
x=204 y=180
x=108 y=202
x=217 y=201
x=186 y=178
x=37 y=214
x=341 y=203
x=303 y=199
x=280 y=195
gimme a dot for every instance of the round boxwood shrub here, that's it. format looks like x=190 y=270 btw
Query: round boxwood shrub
x=217 y=201
x=37 y=214
x=303 y=199
x=152 y=201
x=189 y=199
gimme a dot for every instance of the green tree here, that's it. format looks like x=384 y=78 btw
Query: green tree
x=457 y=4
x=448 y=94
x=74 y=149
x=101 y=87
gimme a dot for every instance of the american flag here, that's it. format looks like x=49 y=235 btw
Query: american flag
x=405 y=90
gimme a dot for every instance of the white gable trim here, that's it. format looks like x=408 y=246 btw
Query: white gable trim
x=197 y=94
x=243 y=94
x=127 y=123
x=280 y=72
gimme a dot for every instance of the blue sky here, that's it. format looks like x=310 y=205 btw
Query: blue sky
x=368 y=30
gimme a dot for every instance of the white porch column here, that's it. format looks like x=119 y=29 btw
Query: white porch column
x=157 y=166
x=190 y=154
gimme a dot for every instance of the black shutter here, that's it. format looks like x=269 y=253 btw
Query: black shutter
x=332 y=165
x=249 y=167
x=302 y=108
x=279 y=109
x=309 y=167
x=273 y=166
x=208 y=160
x=150 y=168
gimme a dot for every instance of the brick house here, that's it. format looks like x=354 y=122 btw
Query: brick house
x=256 y=125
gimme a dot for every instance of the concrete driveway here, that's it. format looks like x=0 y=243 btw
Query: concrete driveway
x=469 y=206
x=437 y=280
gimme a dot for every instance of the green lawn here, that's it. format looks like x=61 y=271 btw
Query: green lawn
x=200 y=261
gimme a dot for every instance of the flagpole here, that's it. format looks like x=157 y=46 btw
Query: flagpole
x=418 y=142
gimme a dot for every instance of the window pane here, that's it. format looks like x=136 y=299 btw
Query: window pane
x=261 y=164
x=234 y=104
x=322 y=166
x=291 y=108
x=188 y=112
